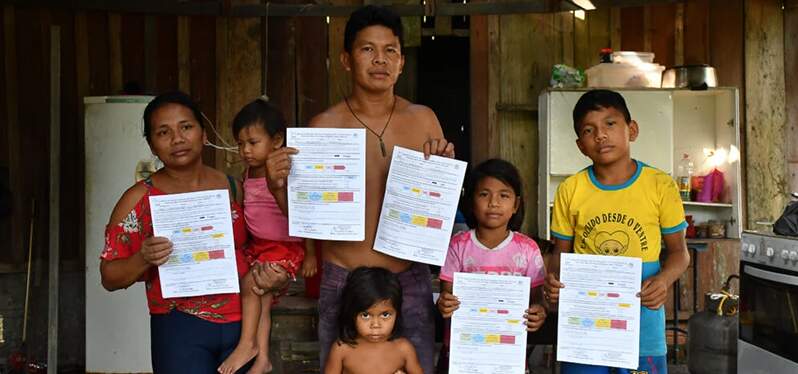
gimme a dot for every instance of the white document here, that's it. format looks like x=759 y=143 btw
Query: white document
x=488 y=334
x=200 y=227
x=420 y=203
x=327 y=184
x=599 y=311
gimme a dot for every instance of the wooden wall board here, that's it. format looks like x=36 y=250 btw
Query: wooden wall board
x=598 y=28
x=99 y=73
x=661 y=32
x=767 y=180
x=133 y=53
x=115 y=51
x=239 y=61
x=202 y=67
x=311 y=64
x=632 y=29
x=166 y=68
x=283 y=64
x=696 y=32
x=582 y=56
x=480 y=124
x=184 y=53
x=524 y=38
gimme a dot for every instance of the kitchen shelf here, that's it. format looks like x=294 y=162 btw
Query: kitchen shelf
x=714 y=205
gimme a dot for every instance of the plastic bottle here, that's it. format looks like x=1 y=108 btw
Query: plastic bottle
x=683 y=176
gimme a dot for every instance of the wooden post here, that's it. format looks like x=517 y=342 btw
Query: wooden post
x=766 y=134
x=55 y=198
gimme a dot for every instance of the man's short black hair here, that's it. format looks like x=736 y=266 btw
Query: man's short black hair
x=597 y=100
x=371 y=15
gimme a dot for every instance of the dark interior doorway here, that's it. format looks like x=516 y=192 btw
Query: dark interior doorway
x=443 y=85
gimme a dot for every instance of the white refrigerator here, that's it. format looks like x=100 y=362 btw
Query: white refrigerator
x=117 y=323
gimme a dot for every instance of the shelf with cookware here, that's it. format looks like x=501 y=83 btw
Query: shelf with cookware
x=680 y=129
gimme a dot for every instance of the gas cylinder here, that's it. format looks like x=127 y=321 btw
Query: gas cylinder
x=712 y=345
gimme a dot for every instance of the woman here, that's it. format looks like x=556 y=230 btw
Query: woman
x=189 y=334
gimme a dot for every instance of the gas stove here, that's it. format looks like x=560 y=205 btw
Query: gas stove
x=769 y=249
x=768 y=323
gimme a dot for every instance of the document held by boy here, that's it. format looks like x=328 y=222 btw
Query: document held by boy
x=599 y=310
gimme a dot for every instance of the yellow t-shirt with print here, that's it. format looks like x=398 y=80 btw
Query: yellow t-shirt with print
x=618 y=220
x=623 y=220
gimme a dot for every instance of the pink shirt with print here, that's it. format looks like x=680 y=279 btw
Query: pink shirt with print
x=517 y=255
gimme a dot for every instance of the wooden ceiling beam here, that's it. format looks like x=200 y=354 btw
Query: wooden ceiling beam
x=222 y=8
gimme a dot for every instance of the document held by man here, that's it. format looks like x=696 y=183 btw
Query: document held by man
x=327 y=184
x=420 y=203
x=599 y=310
x=488 y=333
x=199 y=225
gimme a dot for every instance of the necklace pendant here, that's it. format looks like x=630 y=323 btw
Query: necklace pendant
x=382 y=148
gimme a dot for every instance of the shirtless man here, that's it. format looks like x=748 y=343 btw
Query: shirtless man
x=373 y=56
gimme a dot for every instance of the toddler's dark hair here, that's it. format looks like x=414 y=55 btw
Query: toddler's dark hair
x=174 y=97
x=371 y=15
x=366 y=286
x=260 y=113
x=503 y=171
x=597 y=100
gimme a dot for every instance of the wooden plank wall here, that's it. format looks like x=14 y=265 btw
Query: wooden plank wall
x=220 y=62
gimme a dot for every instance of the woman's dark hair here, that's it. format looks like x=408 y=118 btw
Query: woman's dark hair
x=503 y=171
x=371 y=15
x=596 y=100
x=175 y=97
x=260 y=113
x=366 y=286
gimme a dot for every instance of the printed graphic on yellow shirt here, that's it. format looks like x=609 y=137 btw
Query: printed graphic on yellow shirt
x=612 y=244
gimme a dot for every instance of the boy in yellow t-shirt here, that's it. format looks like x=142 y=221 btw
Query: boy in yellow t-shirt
x=620 y=207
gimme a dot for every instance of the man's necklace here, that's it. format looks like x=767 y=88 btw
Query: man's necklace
x=379 y=136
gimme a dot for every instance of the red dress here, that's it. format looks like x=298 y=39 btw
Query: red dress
x=124 y=239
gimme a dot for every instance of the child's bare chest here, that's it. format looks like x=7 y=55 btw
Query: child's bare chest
x=377 y=361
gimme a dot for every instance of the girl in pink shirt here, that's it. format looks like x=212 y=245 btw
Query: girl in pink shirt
x=260 y=129
x=494 y=246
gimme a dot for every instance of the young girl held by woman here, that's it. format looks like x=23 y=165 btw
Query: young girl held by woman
x=259 y=129
x=370 y=327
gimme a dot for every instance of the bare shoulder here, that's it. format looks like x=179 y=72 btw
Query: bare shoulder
x=404 y=345
x=421 y=115
x=419 y=111
x=332 y=117
x=127 y=203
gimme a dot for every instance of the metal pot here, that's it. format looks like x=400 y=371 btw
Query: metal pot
x=694 y=77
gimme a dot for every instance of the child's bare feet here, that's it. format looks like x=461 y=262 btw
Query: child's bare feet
x=240 y=356
x=262 y=365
